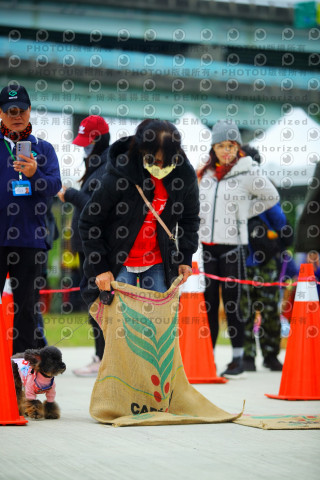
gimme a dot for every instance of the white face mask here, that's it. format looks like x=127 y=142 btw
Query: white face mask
x=88 y=149
x=158 y=172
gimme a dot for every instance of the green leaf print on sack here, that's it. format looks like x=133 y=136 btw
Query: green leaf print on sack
x=159 y=353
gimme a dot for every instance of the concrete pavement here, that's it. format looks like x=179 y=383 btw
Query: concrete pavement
x=76 y=447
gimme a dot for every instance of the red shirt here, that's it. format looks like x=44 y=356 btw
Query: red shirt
x=145 y=250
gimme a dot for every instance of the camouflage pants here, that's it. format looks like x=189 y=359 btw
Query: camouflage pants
x=264 y=300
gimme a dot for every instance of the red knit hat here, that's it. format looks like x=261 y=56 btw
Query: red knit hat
x=90 y=128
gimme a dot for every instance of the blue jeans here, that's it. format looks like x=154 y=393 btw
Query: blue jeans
x=151 y=279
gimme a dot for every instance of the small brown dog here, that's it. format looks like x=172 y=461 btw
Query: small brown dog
x=34 y=372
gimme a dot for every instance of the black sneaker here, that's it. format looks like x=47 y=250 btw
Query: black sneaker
x=234 y=370
x=248 y=364
x=273 y=363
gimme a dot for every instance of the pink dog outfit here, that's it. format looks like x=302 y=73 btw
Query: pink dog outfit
x=34 y=382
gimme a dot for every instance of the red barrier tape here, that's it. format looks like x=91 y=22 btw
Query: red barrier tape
x=254 y=282
x=61 y=290
x=251 y=282
x=214 y=277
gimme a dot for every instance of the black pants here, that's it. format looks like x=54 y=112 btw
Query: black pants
x=224 y=261
x=24 y=267
x=98 y=335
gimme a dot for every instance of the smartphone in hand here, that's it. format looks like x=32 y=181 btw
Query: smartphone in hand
x=23 y=148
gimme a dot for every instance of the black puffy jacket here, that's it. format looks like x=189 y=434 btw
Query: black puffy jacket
x=308 y=225
x=112 y=219
x=78 y=198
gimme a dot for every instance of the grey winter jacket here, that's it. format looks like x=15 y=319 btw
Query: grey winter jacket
x=226 y=206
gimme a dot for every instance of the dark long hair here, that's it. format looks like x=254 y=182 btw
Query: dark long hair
x=94 y=160
x=213 y=160
x=153 y=135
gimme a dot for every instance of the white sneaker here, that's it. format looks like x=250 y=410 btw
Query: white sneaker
x=90 y=370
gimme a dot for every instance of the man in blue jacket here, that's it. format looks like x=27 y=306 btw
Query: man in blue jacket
x=26 y=183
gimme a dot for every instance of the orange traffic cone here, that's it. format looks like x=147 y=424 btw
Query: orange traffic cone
x=9 y=412
x=8 y=312
x=301 y=370
x=195 y=340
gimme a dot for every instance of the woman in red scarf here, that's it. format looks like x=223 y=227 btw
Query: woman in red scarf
x=232 y=189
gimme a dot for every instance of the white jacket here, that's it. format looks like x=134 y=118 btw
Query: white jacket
x=226 y=206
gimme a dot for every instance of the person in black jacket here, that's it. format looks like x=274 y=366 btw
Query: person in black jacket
x=307 y=235
x=122 y=239
x=94 y=136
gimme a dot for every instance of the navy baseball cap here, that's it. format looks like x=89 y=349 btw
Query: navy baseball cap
x=14 y=96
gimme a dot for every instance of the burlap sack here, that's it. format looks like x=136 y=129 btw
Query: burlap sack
x=141 y=380
x=281 y=422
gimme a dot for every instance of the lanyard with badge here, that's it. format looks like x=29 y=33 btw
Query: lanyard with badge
x=20 y=188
